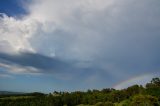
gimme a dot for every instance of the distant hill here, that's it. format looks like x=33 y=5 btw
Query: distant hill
x=10 y=93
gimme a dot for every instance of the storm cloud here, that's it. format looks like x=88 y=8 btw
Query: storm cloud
x=92 y=39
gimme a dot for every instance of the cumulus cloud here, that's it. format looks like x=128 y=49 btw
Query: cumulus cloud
x=117 y=38
x=14 y=34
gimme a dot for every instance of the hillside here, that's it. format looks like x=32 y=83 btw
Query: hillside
x=9 y=93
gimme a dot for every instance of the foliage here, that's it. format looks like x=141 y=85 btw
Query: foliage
x=144 y=100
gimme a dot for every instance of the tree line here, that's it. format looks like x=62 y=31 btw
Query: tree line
x=135 y=95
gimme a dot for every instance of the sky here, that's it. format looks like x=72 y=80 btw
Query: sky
x=69 y=45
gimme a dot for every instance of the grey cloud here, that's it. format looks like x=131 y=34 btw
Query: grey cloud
x=118 y=41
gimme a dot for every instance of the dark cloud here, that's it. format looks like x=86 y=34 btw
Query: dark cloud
x=37 y=61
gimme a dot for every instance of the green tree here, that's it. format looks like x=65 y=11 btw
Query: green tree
x=153 y=88
x=144 y=100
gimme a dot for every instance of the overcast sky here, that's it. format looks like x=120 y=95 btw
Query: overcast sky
x=48 y=45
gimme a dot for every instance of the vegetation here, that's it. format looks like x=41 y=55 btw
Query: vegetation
x=132 y=96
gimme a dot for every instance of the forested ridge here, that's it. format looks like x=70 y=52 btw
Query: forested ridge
x=135 y=95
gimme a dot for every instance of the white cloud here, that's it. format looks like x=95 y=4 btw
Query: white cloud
x=15 y=69
x=14 y=34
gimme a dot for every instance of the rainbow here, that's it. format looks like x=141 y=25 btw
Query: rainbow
x=140 y=80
